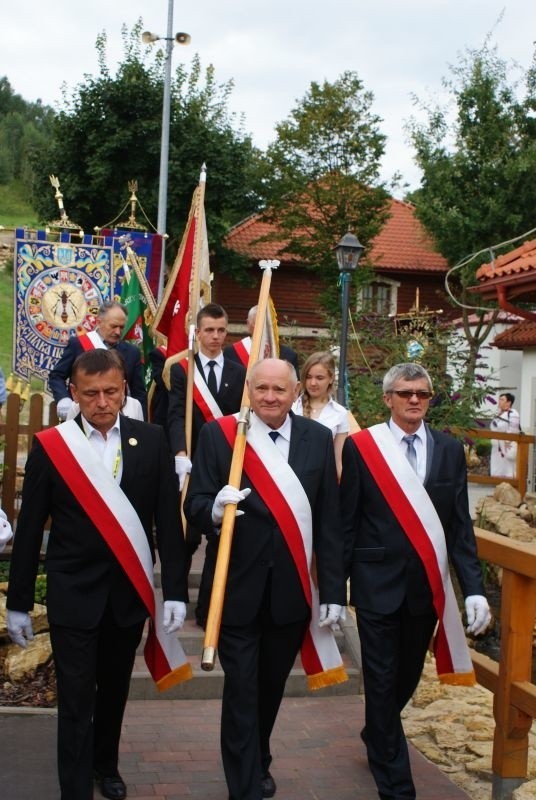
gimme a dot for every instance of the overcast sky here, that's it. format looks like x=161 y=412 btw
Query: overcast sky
x=273 y=49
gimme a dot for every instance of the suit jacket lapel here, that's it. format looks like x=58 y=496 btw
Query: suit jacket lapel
x=129 y=450
x=299 y=445
x=431 y=462
x=226 y=378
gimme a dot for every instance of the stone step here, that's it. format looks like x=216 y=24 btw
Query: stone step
x=192 y=637
x=209 y=685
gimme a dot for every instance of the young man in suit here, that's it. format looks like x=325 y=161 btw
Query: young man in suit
x=111 y=321
x=104 y=480
x=289 y=510
x=405 y=515
x=218 y=388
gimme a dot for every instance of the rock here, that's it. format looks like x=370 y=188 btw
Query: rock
x=20 y=661
x=507 y=494
x=527 y=791
x=530 y=501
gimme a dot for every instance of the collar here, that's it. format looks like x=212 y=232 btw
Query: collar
x=205 y=359
x=284 y=430
x=399 y=434
x=89 y=430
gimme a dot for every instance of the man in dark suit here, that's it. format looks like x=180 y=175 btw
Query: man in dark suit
x=289 y=463
x=405 y=514
x=218 y=388
x=104 y=480
x=240 y=350
x=158 y=403
x=111 y=321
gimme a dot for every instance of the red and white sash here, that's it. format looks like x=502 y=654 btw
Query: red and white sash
x=242 y=349
x=203 y=397
x=290 y=506
x=411 y=505
x=91 y=341
x=112 y=513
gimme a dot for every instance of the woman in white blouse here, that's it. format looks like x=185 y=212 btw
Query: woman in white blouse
x=316 y=400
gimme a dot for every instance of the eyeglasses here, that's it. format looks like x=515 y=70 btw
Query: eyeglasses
x=406 y=394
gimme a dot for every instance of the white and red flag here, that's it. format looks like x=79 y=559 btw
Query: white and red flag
x=188 y=286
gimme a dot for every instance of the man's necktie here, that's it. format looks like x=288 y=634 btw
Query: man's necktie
x=212 y=383
x=273 y=435
x=411 y=453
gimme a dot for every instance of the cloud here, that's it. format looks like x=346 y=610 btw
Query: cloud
x=273 y=50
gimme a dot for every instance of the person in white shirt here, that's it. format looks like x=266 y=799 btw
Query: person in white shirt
x=316 y=400
x=504 y=453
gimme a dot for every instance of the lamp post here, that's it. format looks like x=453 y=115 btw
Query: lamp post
x=180 y=38
x=348 y=252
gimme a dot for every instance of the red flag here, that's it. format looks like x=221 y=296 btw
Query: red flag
x=182 y=300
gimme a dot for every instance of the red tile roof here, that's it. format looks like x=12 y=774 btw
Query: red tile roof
x=401 y=245
x=518 y=261
x=518 y=337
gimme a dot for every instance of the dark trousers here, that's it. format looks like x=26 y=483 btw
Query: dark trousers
x=93 y=670
x=393 y=649
x=256 y=659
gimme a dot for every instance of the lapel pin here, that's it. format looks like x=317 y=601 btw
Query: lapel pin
x=133 y=442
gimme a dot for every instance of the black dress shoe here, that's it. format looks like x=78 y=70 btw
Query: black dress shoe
x=268 y=786
x=111 y=786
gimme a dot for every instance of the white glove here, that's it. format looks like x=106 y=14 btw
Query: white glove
x=19 y=625
x=478 y=614
x=5 y=530
x=174 y=615
x=63 y=407
x=183 y=467
x=227 y=495
x=330 y=615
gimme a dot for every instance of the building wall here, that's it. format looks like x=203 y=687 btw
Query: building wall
x=296 y=292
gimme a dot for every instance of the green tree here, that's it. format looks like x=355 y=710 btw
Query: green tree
x=108 y=132
x=378 y=342
x=24 y=128
x=322 y=174
x=477 y=152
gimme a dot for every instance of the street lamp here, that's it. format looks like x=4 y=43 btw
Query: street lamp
x=180 y=38
x=348 y=252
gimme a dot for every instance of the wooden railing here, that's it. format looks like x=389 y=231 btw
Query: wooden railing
x=514 y=702
x=18 y=439
x=522 y=463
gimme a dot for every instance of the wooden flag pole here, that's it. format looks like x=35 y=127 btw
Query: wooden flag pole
x=235 y=474
x=193 y=308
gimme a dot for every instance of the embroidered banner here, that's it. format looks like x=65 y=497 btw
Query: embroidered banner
x=60 y=282
x=59 y=287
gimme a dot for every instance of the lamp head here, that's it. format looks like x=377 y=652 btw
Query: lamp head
x=183 y=38
x=348 y=252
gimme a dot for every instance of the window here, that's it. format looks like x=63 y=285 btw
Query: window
x=379 y=297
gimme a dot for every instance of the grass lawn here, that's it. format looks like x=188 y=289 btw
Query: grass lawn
x=15 y=210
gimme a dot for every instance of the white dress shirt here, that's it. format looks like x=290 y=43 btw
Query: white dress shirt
x=218 y=366
x=283 y=440
x=419 y=444
x=108 y=449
